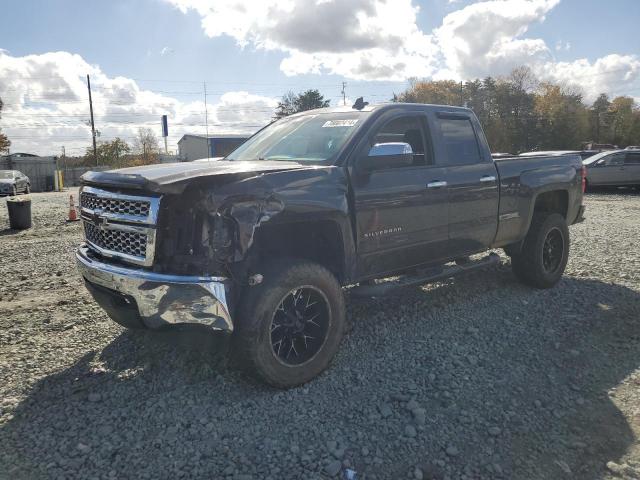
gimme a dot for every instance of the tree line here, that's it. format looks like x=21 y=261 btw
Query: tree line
x=5 y=143
x=520 y=113
x=118 y=153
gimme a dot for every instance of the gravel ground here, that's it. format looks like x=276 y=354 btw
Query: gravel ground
x=477 y=377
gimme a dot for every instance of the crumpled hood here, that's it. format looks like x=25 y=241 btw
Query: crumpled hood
x=172 y=177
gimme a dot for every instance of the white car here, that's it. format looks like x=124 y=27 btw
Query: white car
x=13 y=182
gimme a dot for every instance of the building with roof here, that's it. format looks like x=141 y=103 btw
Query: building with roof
x=194 y=147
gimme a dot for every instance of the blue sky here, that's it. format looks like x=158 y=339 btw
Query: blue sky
x=170 y=47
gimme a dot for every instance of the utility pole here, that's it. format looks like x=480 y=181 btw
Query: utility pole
x=344 y=96
x=461 y=94
x=206 y=121
x=93 y=127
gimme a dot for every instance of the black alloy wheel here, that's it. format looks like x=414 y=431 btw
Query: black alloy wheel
x=300 y=325
x=289 y=327
x=553 y=250
x=542 y=258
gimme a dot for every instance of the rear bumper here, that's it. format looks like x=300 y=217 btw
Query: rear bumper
x=140 y=298
x=580 y=216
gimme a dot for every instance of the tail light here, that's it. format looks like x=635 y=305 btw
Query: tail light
x=583 y=173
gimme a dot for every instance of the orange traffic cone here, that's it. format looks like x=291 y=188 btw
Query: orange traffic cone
x=73 y=215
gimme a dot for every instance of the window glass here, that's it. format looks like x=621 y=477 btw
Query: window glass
x=616 y=159
x=460 y=141
x=407 y=130
x=632 y=159
x=313 y=138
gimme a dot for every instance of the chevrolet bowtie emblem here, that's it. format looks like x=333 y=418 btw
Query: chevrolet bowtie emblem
x=98 y=221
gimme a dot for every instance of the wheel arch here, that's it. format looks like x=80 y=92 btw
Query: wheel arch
x=323 y=242
x=550 y=201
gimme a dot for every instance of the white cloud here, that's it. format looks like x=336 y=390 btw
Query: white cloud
x=362 y=39
x=381 y=40
x=613 y=74
x=46 y=106
x=485 y=38
x=563 y=46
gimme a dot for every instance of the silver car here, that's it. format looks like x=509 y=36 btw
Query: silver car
x=614 y=168
x=13 y=182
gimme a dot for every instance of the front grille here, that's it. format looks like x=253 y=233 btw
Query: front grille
x=112 y=205
x=120 y=225
x=129 y=243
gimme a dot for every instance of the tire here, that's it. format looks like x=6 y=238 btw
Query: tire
x=15 y=191
x=27 y=189
x=535 y=265
x=275 y=310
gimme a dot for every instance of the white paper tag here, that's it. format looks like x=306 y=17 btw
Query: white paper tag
x=349 y=122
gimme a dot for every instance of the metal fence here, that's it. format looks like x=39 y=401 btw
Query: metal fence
x=71 y=176
x=40 y=170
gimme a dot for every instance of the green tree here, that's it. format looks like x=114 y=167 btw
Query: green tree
x=113 y=153
x=599 y=111
x=291 y=103
x=441 y=92
x=562 y=118
x=5 y=143
x=622 y=122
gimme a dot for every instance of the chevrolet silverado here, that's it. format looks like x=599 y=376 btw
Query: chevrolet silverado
x=261 y=245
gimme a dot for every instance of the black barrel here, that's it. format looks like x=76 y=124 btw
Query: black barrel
x=19 y=213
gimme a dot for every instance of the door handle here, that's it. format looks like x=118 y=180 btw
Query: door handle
x=487 y=179
x=436 y=184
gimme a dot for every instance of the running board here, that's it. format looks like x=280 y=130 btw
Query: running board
x=422 y=277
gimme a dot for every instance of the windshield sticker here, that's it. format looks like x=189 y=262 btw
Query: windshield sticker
x=350 y=122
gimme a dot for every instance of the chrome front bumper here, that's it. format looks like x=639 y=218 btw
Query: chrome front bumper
x=160 y=299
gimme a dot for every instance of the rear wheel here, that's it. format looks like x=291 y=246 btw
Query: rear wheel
x=290 y=326
x=543 y=257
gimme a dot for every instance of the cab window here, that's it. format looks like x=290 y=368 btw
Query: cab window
x=460 y=141
x=408 y=130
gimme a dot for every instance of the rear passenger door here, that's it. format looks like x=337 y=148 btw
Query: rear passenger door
x=472 y=183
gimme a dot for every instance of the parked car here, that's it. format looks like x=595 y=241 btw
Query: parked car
x=262 y=243
x=550 y=153
x=614 y=168
x=584 y=154
x=13 y=182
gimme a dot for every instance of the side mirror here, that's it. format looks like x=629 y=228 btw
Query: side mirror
x=387 y=155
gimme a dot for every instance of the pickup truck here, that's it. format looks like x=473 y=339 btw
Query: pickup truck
x=262 y=244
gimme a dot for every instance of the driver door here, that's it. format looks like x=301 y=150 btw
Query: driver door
x=399 y=222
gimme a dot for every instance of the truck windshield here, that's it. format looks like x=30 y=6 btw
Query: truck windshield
x=313 y=138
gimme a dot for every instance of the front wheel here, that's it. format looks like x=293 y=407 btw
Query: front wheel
x=545 y=251
x=290 y=326
x=27 y=189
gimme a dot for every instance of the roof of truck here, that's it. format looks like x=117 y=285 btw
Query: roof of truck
x=384 y=106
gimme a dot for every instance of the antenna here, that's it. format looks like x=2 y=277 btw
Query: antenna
x=206 y=120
